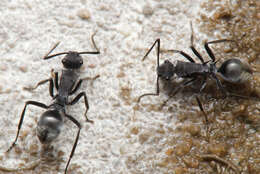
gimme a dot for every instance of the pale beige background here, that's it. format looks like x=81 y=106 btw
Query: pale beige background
x=125 y=30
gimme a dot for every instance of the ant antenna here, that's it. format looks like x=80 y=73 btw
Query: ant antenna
x=53 y=48
x=84 y=52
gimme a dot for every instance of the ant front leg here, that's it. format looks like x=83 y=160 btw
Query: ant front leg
x=76 y=99
x=35 y=103
x=77 y=86
x=51 y=83
x=91 y=78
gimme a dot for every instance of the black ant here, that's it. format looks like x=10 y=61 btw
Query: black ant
x=51 y=121
x=232 y=70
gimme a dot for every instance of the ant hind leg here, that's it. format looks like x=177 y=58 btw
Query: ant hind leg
x=35 y=103
x=76 y=140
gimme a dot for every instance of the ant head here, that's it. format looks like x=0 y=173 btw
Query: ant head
x=72 y=60
x=234 y=71
x=166 y=70
x=49 y=126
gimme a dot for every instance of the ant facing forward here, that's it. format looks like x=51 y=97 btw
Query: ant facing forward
x=51 y=121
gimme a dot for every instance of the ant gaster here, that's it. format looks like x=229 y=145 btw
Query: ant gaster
x=232 y=70
x=51 y=121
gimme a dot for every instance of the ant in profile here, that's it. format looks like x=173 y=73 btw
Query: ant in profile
x=51 y=121
x=232 y=70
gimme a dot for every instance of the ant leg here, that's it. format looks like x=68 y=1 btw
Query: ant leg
x=193 y=48
x=203 y=84
x=209 y=51
x=77 y=86
x=91 y=78
x=228 y=94
x=76 y=99
x=185 y=55
x=56 y=80
x=202 y=110
x=76 y=140
x=72 y=91
x=180 y=87
x=50 y=80
x=197 y=54
x=22 y=117
x=39 y=84
x=220 y=86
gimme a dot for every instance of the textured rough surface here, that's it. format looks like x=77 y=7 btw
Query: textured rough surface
x=126 y=137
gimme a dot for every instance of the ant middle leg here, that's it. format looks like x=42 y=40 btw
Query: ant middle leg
x=76 y=99
x=192 y=46
x=35 y=103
